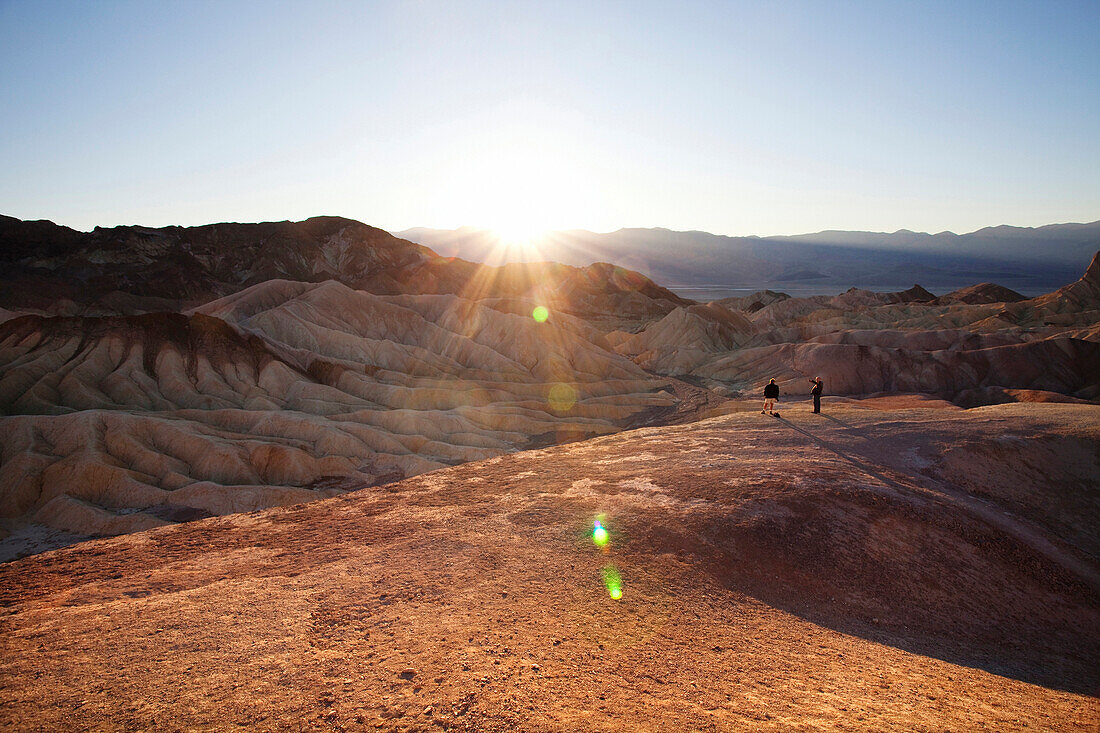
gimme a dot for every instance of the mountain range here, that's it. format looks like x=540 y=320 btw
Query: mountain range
x=1031 y=260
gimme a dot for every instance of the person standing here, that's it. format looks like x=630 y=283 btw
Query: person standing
x=771 y=394
x=818 y=386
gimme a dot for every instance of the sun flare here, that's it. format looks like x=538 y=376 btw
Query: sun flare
x=519 y=242
x=520 y=235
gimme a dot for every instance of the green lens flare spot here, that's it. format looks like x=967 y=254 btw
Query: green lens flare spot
x=613 y=582
x=540 y=313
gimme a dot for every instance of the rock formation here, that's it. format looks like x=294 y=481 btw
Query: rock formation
x=262 y=397
x=980 y=341
x=982 y=293
x=376 y=360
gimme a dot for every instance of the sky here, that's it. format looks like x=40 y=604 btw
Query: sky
x=735 y=118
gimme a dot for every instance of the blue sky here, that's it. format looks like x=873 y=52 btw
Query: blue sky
x=729 y=117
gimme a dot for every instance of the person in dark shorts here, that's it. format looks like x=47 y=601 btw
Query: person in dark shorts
x=818 y=386
x=771 y=394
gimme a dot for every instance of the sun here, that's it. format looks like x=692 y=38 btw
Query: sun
x=521 y=172
x=520 y=241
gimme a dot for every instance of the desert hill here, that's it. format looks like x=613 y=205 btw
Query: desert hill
x=156 y=375
x=982 y=293
x=894 y=564
x=962 y=347
x=283 y=392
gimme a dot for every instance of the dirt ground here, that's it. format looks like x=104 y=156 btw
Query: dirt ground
x=857 y=570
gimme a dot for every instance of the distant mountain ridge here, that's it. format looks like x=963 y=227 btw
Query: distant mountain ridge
x=1039 y=258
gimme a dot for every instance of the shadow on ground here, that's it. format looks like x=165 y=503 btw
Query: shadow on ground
x=907 y=569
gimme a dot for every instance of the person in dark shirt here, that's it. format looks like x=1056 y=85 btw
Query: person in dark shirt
x=818 y=386
x=771 y=394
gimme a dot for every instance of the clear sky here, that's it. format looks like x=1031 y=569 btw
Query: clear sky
x=729 y=117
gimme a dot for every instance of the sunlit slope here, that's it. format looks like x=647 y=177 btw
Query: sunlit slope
x=866 y=569
x=284 y=392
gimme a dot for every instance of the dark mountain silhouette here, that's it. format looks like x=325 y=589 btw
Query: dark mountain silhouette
x=132 y=269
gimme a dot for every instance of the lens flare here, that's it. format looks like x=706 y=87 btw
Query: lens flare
x=600 y=535
x=540 y=313
x=562 y=397
x=613 y=582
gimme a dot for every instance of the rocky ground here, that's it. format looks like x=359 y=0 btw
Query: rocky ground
x=870 y=568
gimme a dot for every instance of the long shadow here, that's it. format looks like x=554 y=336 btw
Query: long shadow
x=1085 y=571
x=1016 y=638
x=858 y=464
x=848 y=426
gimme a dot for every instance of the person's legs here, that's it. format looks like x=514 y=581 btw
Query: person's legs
x=817 y=403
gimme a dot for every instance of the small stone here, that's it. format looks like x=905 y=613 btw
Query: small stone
x=408 y=673
x=536 y=667
x=428 y=710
